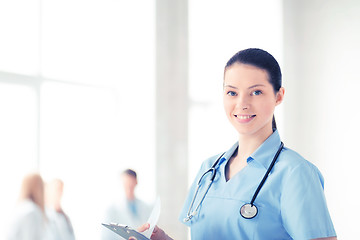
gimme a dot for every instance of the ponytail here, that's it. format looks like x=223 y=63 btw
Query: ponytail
x=274 y=128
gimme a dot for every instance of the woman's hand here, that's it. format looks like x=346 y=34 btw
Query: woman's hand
x=157 y=234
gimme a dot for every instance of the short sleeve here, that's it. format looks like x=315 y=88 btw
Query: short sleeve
x=303 y=206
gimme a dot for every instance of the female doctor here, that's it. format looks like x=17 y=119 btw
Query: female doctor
x=260 y=189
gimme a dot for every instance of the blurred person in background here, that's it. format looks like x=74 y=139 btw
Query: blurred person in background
x=29 y=219
x=129 y=210
x=59 y=222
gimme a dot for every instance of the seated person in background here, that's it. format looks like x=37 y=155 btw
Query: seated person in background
x=59 y=222
x=29 y=222
x=129 y=211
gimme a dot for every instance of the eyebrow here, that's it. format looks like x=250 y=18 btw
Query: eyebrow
x=253 y=86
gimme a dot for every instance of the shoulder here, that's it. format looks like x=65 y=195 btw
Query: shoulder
x=209 y=162
x=293 y=164
x=29 y=209
x=205 y=166
x=141 y=203
x=293 y=159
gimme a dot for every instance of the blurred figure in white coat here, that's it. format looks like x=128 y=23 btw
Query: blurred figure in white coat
x=29 y=221
x=59 y=221
x=129 y=211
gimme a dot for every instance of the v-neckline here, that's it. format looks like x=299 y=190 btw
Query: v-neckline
x=235 y=175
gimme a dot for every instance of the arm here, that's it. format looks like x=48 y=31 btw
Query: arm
x=303 y=194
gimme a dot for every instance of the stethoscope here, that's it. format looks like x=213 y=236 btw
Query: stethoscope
x=248 y=210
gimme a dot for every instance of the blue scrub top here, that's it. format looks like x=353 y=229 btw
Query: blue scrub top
x=291 y=204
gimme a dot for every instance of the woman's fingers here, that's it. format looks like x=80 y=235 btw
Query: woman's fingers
x=144 y=227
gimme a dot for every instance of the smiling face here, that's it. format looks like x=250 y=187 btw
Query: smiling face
x=250 y=100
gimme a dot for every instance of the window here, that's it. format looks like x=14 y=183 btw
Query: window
x=18 y=140
x=77 y=100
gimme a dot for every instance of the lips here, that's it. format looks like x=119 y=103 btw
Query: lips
x=244 y=118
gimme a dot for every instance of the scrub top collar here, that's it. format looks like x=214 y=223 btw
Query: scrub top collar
x=228 y=154
x=263 y=154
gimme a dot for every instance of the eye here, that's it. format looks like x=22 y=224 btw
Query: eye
x=231 y=93
x=257 y=92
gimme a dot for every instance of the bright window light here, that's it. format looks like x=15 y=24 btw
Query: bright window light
x=18 y=141
x=19 y=41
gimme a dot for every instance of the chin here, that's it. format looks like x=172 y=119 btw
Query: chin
x=246 y=132
x=253 y=131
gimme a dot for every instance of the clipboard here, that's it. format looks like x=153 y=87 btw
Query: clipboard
x=125 y=231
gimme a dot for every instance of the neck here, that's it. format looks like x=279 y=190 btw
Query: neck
x=131 y=197
x=249 y=143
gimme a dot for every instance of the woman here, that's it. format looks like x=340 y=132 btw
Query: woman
x=291 y=203
x=59 y=222
x=29 y=219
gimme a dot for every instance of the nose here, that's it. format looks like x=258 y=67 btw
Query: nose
x=243 y=102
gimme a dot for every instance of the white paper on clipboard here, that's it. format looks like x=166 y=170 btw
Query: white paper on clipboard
x=126 y=231
x=154 y=218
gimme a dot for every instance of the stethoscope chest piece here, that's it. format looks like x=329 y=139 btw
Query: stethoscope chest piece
x=248 y=211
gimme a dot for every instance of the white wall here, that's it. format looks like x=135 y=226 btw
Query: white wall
x=321 y=115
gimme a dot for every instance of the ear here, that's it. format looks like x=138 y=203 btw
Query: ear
x=280 y=96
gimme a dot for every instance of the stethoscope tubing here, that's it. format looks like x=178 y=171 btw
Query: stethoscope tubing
x=190 y=214
x=267 y=173
x=249 y=209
